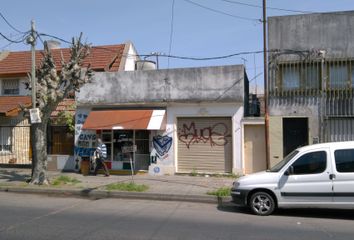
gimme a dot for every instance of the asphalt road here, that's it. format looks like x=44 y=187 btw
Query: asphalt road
x=39 y=217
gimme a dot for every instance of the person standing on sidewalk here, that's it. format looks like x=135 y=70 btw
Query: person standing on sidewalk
x=101 y=155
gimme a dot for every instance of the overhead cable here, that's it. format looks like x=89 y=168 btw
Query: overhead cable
x=10 y=25
x=55 y=37
x=283 y=51
x=171 y=32
x=13 y=41
x=272 y=8
x=222 y=12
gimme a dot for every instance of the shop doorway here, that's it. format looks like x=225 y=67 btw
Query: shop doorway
x=130 y=147
x=295 y=134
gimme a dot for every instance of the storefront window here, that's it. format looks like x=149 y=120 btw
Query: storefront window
x=142 y=142
x=126 y=147
x=107 y=139
x=122 y=140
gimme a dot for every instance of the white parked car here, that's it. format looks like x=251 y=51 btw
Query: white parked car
x=314 y=176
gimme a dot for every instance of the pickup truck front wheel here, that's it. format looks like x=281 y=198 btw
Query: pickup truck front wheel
x=262 y=203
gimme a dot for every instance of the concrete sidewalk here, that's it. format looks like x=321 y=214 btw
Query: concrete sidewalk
x=168 y=188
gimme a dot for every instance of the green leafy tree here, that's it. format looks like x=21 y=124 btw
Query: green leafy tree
x=67 y=118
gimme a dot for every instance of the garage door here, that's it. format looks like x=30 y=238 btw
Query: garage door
x=204 y=145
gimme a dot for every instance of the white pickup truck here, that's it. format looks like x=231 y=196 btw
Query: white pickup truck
x=315 y=176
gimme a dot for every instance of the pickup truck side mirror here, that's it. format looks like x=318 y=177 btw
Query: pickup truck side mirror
x=289 y=171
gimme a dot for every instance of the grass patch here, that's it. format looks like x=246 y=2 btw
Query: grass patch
x=226 y=175
x=194 y=173
x=65 y=180
x=221 y=192
x=129 y=187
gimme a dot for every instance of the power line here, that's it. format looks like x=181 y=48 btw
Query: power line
x=221 y=12
x=10 y=43
x=287 y=51
x=13 y=41
x=40 y=38
x=212 y=58
x=171 y=32
x=258 y=6
x=55 y=37
x=10 y=25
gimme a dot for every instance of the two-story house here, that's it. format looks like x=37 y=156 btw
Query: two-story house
x=311 y=80
x=14 y=127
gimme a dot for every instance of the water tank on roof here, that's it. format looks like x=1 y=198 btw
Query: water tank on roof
x=145 y=65
x=53 y=44
x=4 y=54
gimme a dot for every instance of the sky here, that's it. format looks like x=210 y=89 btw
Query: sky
x=199 y=28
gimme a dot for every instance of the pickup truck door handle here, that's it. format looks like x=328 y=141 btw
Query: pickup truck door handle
x=332 y=176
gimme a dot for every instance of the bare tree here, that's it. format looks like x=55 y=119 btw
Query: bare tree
x=52 y=87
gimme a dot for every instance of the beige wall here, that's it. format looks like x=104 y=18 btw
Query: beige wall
x=275 y=139
x=254 y=148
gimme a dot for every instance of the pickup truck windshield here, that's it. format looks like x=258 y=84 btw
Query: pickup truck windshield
x=283 y=162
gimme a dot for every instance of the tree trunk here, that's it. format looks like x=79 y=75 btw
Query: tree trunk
x=39 y=153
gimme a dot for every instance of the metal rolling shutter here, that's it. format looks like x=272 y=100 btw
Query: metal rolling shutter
x=204 y=144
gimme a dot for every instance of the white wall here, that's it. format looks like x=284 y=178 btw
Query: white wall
x=22 y=87
x=235 y=111
x=23 y=90
x=131 y=58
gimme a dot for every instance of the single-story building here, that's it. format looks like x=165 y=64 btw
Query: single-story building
x=166 y=121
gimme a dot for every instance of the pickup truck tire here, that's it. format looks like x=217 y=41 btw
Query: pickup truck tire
x=262 y=203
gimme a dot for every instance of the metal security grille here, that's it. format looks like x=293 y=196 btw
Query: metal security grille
x=339 y=129
x=10 y=86
x=327 y=83
x=15 y=145
x=204 y=145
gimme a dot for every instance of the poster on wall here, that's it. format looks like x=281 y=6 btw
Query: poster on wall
x=84 y=139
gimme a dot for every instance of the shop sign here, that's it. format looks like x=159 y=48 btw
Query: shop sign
x=127 y=149
x=34 y=115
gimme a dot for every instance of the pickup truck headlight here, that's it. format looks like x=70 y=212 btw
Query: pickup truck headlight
x=235 y=185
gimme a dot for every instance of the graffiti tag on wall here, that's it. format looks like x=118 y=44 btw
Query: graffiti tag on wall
x=215 y=135
x=84 y=139
x=83 y=152
x=162 y=144
x=80 y=118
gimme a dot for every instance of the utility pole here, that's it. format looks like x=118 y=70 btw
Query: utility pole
x=31 y=39
x=34 y=112
x=266 y=113
x=33 y=68
x=157 y=54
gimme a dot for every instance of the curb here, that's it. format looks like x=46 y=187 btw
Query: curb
x=99 y=194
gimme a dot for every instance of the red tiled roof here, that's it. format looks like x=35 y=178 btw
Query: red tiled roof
x=10 y=105
x=101 y=58
x=65 y=105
